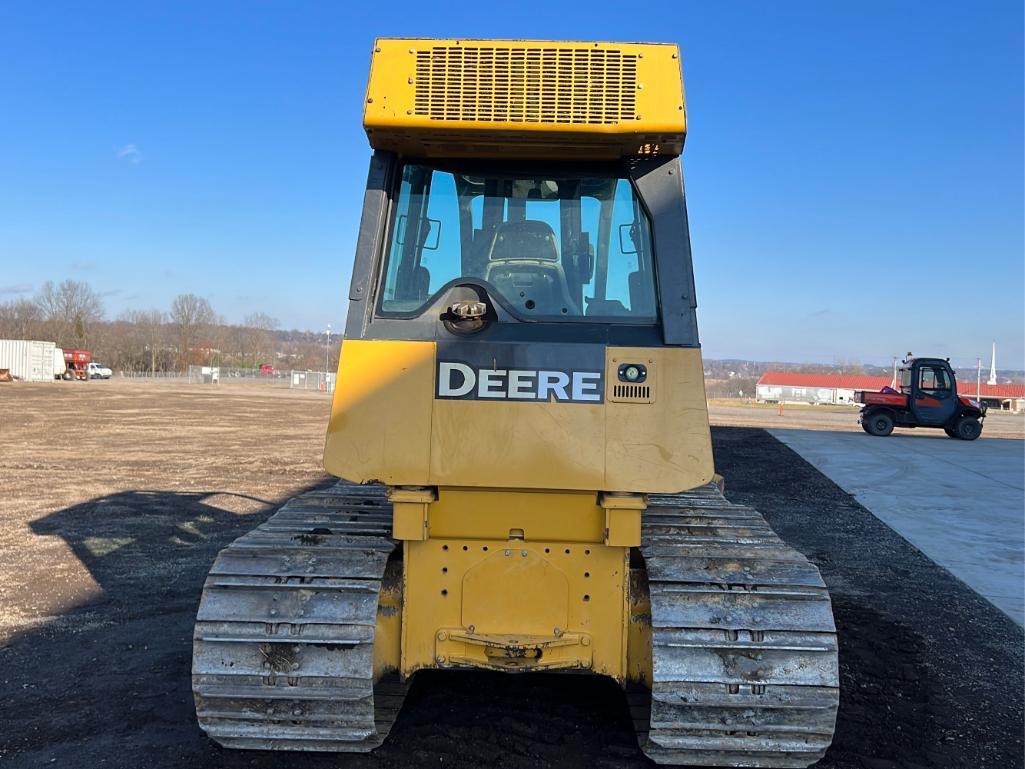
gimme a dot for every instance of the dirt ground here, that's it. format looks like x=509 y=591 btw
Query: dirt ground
x=107 y=531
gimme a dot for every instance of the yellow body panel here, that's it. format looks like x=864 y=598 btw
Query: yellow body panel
x=563 y=516
x=381 y=413
x=623 y=518
x=468 y=98
x=525 y=599
x=518 y=445
x=409 y=511
x=665 y=446
x=387 y=426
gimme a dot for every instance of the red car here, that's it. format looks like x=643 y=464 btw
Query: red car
x=267 y=370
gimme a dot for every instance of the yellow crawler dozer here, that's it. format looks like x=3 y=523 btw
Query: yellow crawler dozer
x=520 y=418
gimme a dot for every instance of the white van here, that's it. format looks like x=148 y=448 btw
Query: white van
x=98 y=371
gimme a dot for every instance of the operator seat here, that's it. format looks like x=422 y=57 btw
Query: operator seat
x=523 y=264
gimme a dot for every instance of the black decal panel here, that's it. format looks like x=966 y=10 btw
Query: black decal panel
x=521 y=373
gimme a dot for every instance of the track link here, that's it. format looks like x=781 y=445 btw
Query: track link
x=283 y=642
x=744 y=652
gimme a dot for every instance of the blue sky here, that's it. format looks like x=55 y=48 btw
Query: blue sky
x=854 y=170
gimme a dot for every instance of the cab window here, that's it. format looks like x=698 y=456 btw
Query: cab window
x=566 y=247
x=934 y=380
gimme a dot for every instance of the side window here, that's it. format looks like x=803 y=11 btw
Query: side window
x=905 y=379
x=397 y=239
x=933 y=379
x=441 y=256
x=628 y=238
x=622 y=282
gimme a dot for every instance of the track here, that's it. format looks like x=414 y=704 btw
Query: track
x=744 y=647
x=743 y=642
x=283 y=643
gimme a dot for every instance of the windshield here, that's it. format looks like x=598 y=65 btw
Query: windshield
x=559 y=247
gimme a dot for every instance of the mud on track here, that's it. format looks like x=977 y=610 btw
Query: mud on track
x=104 y=546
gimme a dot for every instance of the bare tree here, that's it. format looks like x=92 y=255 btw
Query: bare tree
x=20 y=319
x=70 y=309
x=260 y=320
x=255 y=340
x=149 y=327
x=71 y=314
x=191 y=316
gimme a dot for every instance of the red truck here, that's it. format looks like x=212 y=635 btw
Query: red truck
x=927 y=398
x=77 y=362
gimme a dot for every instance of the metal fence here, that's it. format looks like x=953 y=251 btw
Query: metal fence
x=154 y=376
x=292 y=379
x=312 y=380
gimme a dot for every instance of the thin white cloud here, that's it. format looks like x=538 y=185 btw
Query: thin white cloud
x=130 y=153
x=15 y=288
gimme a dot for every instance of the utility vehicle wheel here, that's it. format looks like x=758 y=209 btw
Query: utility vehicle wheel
x=880 y=424
x=950 y=432
x=864 y=426
x=968 y=428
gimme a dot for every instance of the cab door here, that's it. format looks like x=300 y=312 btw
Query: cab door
x=934 y=400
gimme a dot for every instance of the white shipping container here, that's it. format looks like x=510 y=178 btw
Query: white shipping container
x=32 y=361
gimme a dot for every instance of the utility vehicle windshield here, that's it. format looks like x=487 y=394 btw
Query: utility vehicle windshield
x=573 y=247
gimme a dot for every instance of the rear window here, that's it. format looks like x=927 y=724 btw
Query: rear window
x=561 y=247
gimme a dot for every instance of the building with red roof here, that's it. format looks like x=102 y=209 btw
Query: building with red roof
x=776 y=386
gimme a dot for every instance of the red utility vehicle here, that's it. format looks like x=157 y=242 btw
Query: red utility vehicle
x=927 y=398
x=267 y=370
x=77 y=362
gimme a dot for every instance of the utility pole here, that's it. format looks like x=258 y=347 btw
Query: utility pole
x=893 y=383
x=327 y=357
x=978 y=380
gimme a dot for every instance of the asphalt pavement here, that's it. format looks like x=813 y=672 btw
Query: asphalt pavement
x=961 y=503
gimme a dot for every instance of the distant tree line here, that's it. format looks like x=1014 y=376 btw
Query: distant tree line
x=71 y=314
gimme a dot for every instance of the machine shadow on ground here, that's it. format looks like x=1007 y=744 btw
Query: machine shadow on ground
x=931 y=673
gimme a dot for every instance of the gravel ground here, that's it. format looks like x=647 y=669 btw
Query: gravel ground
x=105 y=541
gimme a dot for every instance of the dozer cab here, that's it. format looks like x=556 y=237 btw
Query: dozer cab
x=927 y=398
x=521 y=424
